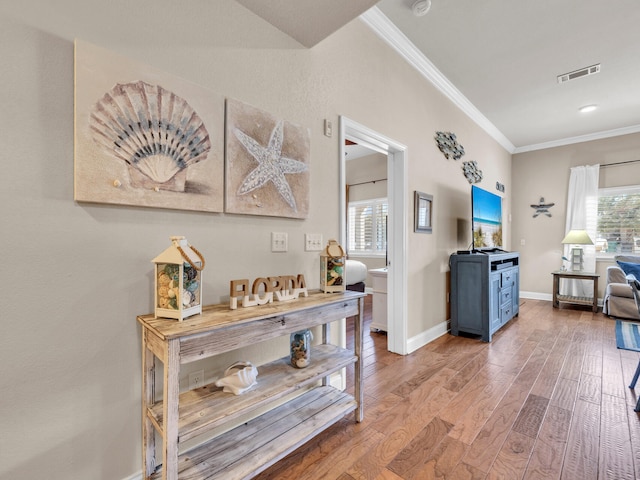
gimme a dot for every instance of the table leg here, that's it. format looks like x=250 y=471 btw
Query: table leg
x=359 y=365
x=170 y=411
x=595 y=294
x=148 y=394
x=556 y=288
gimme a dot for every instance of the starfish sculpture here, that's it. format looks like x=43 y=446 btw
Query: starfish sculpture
x=272 y=166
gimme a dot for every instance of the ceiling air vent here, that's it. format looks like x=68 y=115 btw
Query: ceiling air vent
x=583 y=72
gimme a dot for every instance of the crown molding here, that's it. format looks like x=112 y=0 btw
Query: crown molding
x=387 y=31
x=579 y=139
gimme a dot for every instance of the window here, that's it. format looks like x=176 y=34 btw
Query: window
x=367 y=228
x=618 y=220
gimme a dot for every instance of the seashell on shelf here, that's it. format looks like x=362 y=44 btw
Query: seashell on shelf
x=156 y=132
x=238 y=378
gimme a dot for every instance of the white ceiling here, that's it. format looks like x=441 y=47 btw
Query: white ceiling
x=498 y=59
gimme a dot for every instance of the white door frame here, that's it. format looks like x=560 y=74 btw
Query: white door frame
x=396 y=229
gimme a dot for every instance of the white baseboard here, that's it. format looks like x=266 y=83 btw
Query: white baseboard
x=536 y=296
x=135 y=476
x=544 y=296
x=426 y=337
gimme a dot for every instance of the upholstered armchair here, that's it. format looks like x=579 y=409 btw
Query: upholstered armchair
x=618 y=296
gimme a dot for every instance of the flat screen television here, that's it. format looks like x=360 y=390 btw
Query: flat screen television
x=486 y=210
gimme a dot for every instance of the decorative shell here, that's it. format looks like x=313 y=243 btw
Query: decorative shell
x=156 y=132
x=238 y=378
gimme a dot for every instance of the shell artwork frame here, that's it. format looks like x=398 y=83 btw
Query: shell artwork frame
x=143 y=137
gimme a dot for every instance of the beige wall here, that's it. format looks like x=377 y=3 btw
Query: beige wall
x=545 y=173
x=76 y=275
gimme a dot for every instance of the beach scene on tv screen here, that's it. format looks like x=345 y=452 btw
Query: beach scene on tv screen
x=487 y=219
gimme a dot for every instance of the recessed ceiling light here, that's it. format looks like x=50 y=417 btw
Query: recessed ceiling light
x=587 y=108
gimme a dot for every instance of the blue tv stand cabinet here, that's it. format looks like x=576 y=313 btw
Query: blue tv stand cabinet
x=484 y=291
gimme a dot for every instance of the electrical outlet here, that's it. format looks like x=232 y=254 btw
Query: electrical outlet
x=196 y=379
x=279 y=241
x=312 y=242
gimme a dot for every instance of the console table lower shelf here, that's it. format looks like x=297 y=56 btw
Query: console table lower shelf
x=286 y=408
x=266 y=439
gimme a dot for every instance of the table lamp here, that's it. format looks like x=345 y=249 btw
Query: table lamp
x=577 y=238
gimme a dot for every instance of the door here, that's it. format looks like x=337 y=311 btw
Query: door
x=397 y=223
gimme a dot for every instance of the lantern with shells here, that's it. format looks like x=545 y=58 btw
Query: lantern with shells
x=332 y=262
x=178 y=274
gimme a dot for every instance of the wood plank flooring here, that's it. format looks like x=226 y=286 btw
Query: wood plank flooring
x=547 y=399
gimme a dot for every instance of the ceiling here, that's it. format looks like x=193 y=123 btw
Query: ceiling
x=498 y=60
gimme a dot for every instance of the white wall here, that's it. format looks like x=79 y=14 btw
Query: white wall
x=76 y=275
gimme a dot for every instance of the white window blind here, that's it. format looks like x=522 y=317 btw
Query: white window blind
x=367 y=229
x=618 y=220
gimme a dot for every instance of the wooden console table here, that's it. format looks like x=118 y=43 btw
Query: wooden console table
x=569 y=274
x=171 y=417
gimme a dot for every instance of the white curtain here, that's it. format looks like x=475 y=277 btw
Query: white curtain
x=582 y=214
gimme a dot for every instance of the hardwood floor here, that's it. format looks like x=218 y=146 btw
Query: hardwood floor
x=546 y=399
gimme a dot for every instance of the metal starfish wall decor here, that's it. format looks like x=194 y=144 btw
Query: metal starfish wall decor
x=542 y=208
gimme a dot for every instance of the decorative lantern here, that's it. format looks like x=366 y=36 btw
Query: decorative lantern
x=332 y=261
x=178 y=292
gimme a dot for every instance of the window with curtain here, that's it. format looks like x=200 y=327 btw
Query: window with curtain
x=367 y=227
x=618 y=221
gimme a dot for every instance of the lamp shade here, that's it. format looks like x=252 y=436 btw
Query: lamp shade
x=577 y=237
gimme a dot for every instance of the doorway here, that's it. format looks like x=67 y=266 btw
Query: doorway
x=397 y=222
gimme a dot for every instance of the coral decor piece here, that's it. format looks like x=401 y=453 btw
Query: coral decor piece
x=448 y=144
x=471 y=171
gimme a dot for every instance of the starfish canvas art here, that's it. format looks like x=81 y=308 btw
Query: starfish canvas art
x=267 y=170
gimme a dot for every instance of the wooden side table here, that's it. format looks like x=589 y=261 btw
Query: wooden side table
x=557 y=298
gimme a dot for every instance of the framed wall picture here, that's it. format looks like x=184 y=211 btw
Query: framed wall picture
x=144 y=137
x=423 y=208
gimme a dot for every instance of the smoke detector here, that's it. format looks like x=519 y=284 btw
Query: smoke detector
x=583 y=72
x=421 y=7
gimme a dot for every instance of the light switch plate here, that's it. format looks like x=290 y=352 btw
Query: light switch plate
x=279 y=241
x=312 y=242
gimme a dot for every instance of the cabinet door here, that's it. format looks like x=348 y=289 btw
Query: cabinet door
x=379 y=313
x=494 y=301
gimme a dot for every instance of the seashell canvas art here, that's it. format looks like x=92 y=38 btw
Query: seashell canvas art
x=144 y=137
x=267 y=164
x=154 y=131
